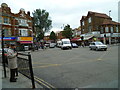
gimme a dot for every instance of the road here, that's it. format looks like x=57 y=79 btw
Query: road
x=77 y=68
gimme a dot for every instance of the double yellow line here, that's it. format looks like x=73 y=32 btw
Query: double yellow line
x=44 y=83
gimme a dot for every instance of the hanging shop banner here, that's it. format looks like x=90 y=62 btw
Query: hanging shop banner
x=25 y=38
x=8 y=38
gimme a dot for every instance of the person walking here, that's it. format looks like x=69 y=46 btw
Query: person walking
x=12 y=62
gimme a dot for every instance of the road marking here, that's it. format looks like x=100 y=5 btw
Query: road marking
x=45 y=66
x=44 y=83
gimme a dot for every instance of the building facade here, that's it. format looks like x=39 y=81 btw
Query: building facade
x=17 y=27
x=100 y=26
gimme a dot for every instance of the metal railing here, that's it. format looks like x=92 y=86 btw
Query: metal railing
x=25 y=66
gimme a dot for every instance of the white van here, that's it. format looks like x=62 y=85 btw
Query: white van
x=66 y=44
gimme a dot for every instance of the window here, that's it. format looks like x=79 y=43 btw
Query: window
x=111 y=29
x=83 y=23
x=0 y=19
x=116 y=28
x=6 y=20
x=23 y=32
x=106 y=29
x=7 y=32
x=89 y=28
x=102 y=30
x=89 y=20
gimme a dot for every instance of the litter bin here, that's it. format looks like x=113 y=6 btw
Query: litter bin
x=26 y=48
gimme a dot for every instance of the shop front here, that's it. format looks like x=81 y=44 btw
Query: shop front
x=9 y=40
x=24 y=43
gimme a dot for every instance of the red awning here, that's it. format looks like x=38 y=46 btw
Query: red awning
x=25 y=42
x=75 y=39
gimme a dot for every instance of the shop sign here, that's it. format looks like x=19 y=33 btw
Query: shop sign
x=25 y=38
x=8 y=38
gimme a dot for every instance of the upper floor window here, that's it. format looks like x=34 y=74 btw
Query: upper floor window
x=89 y=28
x=111 y=29
x=6 y=20
x=7 y=32
x=106 y=29
x=89 y=20
x=23 y=32
x=0 y=19
x=116 y=28
x=83 y=23
x=102 y=30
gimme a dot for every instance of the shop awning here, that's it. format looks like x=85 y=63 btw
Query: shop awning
x=25 y=42
x=75 y=39
x=86 y=37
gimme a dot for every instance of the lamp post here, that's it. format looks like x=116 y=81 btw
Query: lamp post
x=110 y=36
x=3 y=57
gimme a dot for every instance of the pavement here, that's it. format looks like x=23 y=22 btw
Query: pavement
x=22 y=81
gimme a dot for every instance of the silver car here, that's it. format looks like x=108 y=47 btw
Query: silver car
x=97 y=46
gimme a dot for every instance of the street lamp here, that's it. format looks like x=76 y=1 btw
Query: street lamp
x=110 y=37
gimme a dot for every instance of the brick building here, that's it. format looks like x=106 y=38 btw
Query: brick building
x=17 y=27
x=100 y=25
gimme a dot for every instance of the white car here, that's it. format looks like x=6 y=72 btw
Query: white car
x=52 y=45
x=97 y=46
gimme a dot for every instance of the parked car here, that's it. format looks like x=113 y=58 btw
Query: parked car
x=52 y=45
x=97 y=46
x=74 y=45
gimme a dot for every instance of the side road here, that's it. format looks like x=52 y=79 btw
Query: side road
x=22 y=81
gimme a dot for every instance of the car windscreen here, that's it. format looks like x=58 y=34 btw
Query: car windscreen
x=66 y=42
x=98 y=43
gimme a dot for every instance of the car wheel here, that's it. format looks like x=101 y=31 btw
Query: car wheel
x=96 y=49
x=105 y=49
x=90 y=48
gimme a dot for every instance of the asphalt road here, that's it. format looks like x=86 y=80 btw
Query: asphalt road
x=77 y=68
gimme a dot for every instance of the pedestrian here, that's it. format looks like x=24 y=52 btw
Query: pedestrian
x=12 y=62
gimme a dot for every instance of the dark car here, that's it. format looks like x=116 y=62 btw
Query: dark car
x=74 y=45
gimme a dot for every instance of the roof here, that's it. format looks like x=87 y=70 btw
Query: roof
x=99 y=14
x=109 y=22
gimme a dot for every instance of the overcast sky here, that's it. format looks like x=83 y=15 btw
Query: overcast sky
x=63 y=12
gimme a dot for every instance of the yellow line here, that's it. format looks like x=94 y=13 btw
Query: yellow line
x=44 y=81
x=44 y=66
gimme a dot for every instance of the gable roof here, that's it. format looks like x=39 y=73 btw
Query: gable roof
x=99 y=14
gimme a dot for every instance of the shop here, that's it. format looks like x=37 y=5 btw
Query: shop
x=24 y=43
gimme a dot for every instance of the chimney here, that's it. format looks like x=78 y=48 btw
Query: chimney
x=28 y=13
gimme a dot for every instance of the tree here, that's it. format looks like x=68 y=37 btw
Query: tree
x=53 y=36
x=67 y=32
x=42 y=22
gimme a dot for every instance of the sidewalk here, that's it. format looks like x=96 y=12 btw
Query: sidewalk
x=22 y=81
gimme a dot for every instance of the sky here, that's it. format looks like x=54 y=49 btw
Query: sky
x=63 y=12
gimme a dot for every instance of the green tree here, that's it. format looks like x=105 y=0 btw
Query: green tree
x=53 y=36
x=67 y=32
x=42 y=22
